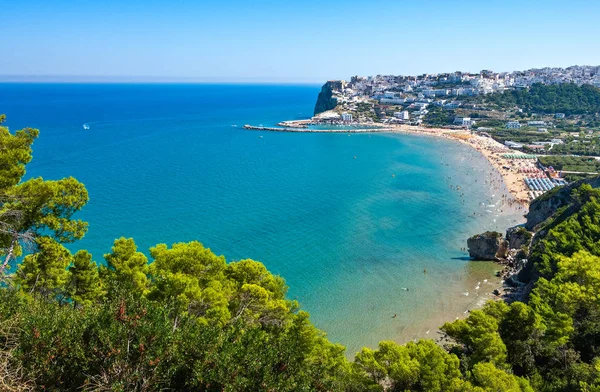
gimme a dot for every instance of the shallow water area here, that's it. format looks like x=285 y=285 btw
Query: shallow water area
x=362 y=226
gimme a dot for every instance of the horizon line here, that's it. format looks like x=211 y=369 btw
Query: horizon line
x=79 y=79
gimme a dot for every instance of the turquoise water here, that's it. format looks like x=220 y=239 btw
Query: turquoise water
x=169 y=163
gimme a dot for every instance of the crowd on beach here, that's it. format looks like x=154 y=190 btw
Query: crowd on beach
x=512 y=171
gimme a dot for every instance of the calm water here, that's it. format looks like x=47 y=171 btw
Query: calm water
x=165 y=163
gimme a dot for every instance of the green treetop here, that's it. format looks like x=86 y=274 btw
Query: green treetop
x=35 y=207
x=85 y=286
x=45 y=271
x=126 y=266
x=191 y=276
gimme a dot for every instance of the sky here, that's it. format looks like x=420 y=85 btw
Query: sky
x=283 y=41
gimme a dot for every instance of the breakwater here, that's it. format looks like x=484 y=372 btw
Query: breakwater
x=309 y=130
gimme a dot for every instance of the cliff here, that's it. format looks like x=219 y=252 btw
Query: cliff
x=518 y=237
x=325 y=100
x=544 y=207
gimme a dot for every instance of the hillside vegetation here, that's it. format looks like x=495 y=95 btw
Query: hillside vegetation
x=571 y=163
x=565 y=98
x=188 y=320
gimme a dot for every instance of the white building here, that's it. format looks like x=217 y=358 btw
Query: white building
x=536 y=123
x=393 y=101
x=513 y=125
x=512 y=144
x=402 y=115
x=464 y=121
x=346 y=117
x=559 y=115
x=452 y=105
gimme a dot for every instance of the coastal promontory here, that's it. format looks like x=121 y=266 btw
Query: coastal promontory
x=487 y=246
x=326 y=101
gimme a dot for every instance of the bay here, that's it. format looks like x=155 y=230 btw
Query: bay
x=362 y=227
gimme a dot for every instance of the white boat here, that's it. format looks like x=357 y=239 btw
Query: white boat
x=85 y=126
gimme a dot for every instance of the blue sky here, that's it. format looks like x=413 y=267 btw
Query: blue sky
x=289 y=41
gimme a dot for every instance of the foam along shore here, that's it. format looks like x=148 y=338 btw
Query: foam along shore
x=513 y=170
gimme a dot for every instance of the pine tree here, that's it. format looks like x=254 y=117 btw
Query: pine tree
x=45 y=272
x=85 y=287
x=126 y=266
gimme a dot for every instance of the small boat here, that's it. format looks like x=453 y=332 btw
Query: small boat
x=85 y=126
x=260 y=137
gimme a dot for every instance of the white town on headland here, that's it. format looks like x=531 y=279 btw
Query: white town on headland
x=536 y=141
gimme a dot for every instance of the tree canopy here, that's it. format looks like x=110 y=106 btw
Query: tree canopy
x=565 y=98
x=34 y=208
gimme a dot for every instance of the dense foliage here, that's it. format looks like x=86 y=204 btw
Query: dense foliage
x=439 y=117
x=186 y=319
x=565 y=98
x=571 y=163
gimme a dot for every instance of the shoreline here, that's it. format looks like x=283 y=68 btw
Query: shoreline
x=511 y=170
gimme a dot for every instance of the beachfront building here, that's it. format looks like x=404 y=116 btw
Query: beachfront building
x=511 y=144
x=464 y=121
x=346 y=117
x=403 y=115
x=559 y=115
x=513 y=125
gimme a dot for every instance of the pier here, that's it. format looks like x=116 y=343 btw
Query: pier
x=308 y=130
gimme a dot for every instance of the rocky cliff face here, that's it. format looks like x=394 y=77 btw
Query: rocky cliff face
x=325 y=100
x=518 y=237
x=490 y=245
x=545 y=206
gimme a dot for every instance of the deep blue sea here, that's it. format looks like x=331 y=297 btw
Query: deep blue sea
x=165 y=163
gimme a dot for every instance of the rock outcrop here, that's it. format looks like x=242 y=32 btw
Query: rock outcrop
x=488 y=246
x=518 y=237
x=326 y=101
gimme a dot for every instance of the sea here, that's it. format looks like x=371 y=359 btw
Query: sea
x=368 y=230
